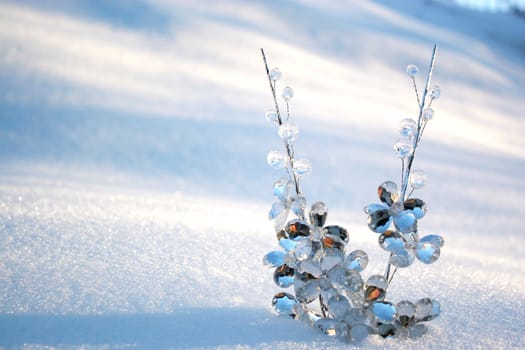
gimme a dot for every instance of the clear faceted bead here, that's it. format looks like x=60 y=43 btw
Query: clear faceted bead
x=418 y=178
x=403 y=147
x=379 y=218
x=428 y=113
x=318 y=214
x=283 y=304
x=356 y=260
x=435 y=93
x=287 y=93
x=427 y=252
x=311 y=267
x=271 y=116
x=384 y=311
x=274 y=259
x=298 y=205
x=416 y=206
x=427 y=309
x=405 y=221
x=331 y=327
x=303 y=249
x=338 y=305
x=391 y=241
x=302 y=167
x=375 y=288
x=310 y=317
x=345 y=281
x=331 y=258
x=281 y=189
x=288 y=131
x=388 y=192
x=408 y=127
x=434 y=239
x=308 y=292
x=406 y=313
x=283 y=276
x=417 y=330
x=358 y=333
x=412 y=70
x=402 y=257
x=275 y=74
x=277 y=159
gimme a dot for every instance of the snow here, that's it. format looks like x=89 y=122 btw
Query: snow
x=134 y=187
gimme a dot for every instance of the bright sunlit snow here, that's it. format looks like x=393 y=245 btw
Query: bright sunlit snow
x=134 y=188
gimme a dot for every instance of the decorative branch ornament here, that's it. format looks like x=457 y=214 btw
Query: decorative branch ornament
x=329 y=291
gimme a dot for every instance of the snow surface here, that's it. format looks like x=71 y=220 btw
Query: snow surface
x=134 y=187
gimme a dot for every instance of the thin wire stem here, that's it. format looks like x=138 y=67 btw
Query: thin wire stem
x=272 y=87
x=415 y=89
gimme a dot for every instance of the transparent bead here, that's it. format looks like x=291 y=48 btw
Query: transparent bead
x=318 y=214
x=302 y=167
x=271 y=116
x=417 y=330
x=331 y=327
x=309 y=317
x=275 y=74
x=358 y=333
x=384 y=311
x=296 y=229
x=375 y=288
x=412 y=70
x=388 y=192
x=418 y=178
x=311 y=267
x=283 y=304
x=278 y=213
x=415 y=206
x=308 y=291
x=428 y=113
x=379 y=218
x=391 y=241
x=403 y=148
x=344 y=280
x=287 y=93
x=283 y=276
x=356 y=316
x=405 y=221
x=434 y=239
x=303 y=249
x=356 y=260
x=298 y=205
x=281 y=189
x=427 y=309
x=406 y=313
x=288 y=131
x=338 y=305
x=274 y=259
x=427 y=252
x=435 y=93
x=402 y=257
x=287 y=244
x=331 y=258
x=408 y=127
x=277 y=159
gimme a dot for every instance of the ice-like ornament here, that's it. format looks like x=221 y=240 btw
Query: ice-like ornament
x=405 y=313
x=388 y=192
x=337 y=232
x=416 y=206
x=417 y=330
x=283 y=276
x=297 y=228
x=275 y=74
x=408 y=127
x=274 y=259
x=427 y=309
x=427 y=252
x=318 y=214
x=283 y=304
x=277 y=159
x=358 y=333
x=272 y=116
x=287 y=244
x=385 y=311
x=412 y=70
x=277 y=209
x=310 y=317
x=308 y=292
x=311 y=267
x=281 y=189
x=344 y=280
x=402 y=257
x=356 y=260
x=418 y=178
x=288 y=132
x=298 y=205
x=331 y=258
x=428 y=114
x=379 y=218
x=287 y=93
x=302 y=167
x=375 y=288
x=403 y=147
x=337 y=306
x=391 y=241
x=303 y=249
x=332 y=327
x=405 y=221
x=435 y=93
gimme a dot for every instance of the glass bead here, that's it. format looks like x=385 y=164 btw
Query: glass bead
x=427 y=309
x=434 y=239
x=288 y=244
x=411 y=239
x=428 y=114
x=379 y=220
x=357 y=299
x=435 y=93
x=311 y=267
x=287 y=93
x=385 y=311
x=403 y=148
x=308 y=291
x=277 y=159
x=375 y=288
x=318 y=214
x=277 y=209
x=332 y=242
x=405 y=221
x=281 y=189
x=386 y=330
x=356 y=316
x=406 y=313
x=391 y=241
x=303 y=249
x=302 y=167
x=356 y=260
x=331 y=327
x=298 y=205
x=274 y=259
x=412 y=70
x=416 y=206
x=297 y=228
x=331 y=258
x=338 y=232
x=388 y=192
x=283 y=304
x=272 y=116
x=288 y=132
x=358 y=333
x=275 y=74
x=284 y=276
x=309 y=317
x=344 y=280
x=417 y=330
x=427 y=252
x=338 y=305
x=402 y=257
x=408 y=127
x=417 y=179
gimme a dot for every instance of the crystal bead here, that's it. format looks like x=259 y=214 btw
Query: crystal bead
x=344 y=280
x=405 y=313
x=411 y=239
x=272 y=116
x=408 y=127
x=287 y=93
x=385 y=311
x=427 y=309
x=284 y=276
x=310 y=317
x=405 y=221
x=274 y=259
x=388 y=192
x=428 y=113
x=288 y=132
x=337 y=306
x=375 y=288
x=435 y=93
x=403 y=148
x=437 y=240
x=331 y=327
x=416 y=206
x=317 y=233
x=412 y=70
x=311 y=267
x=417 y=179
x=386 y=330
x=358 y=333
x=308 y=291
x=356 y=260
x=402 y=257
x=283 y=304
x=281 y=189
x=277 y=159
x=391 y=241
x=332 y=242
x=303 y=249
x=318 y=214
x=275 y=74
x=298 y=205
x=417 y=330
x=355 y=316
x=302 y=167
x=290 y=260
x=278 y=213
x=338 y=232
x=331 y=258
x=328 y=293
x=427 y=252
x=287 y=244
x=297 y=228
